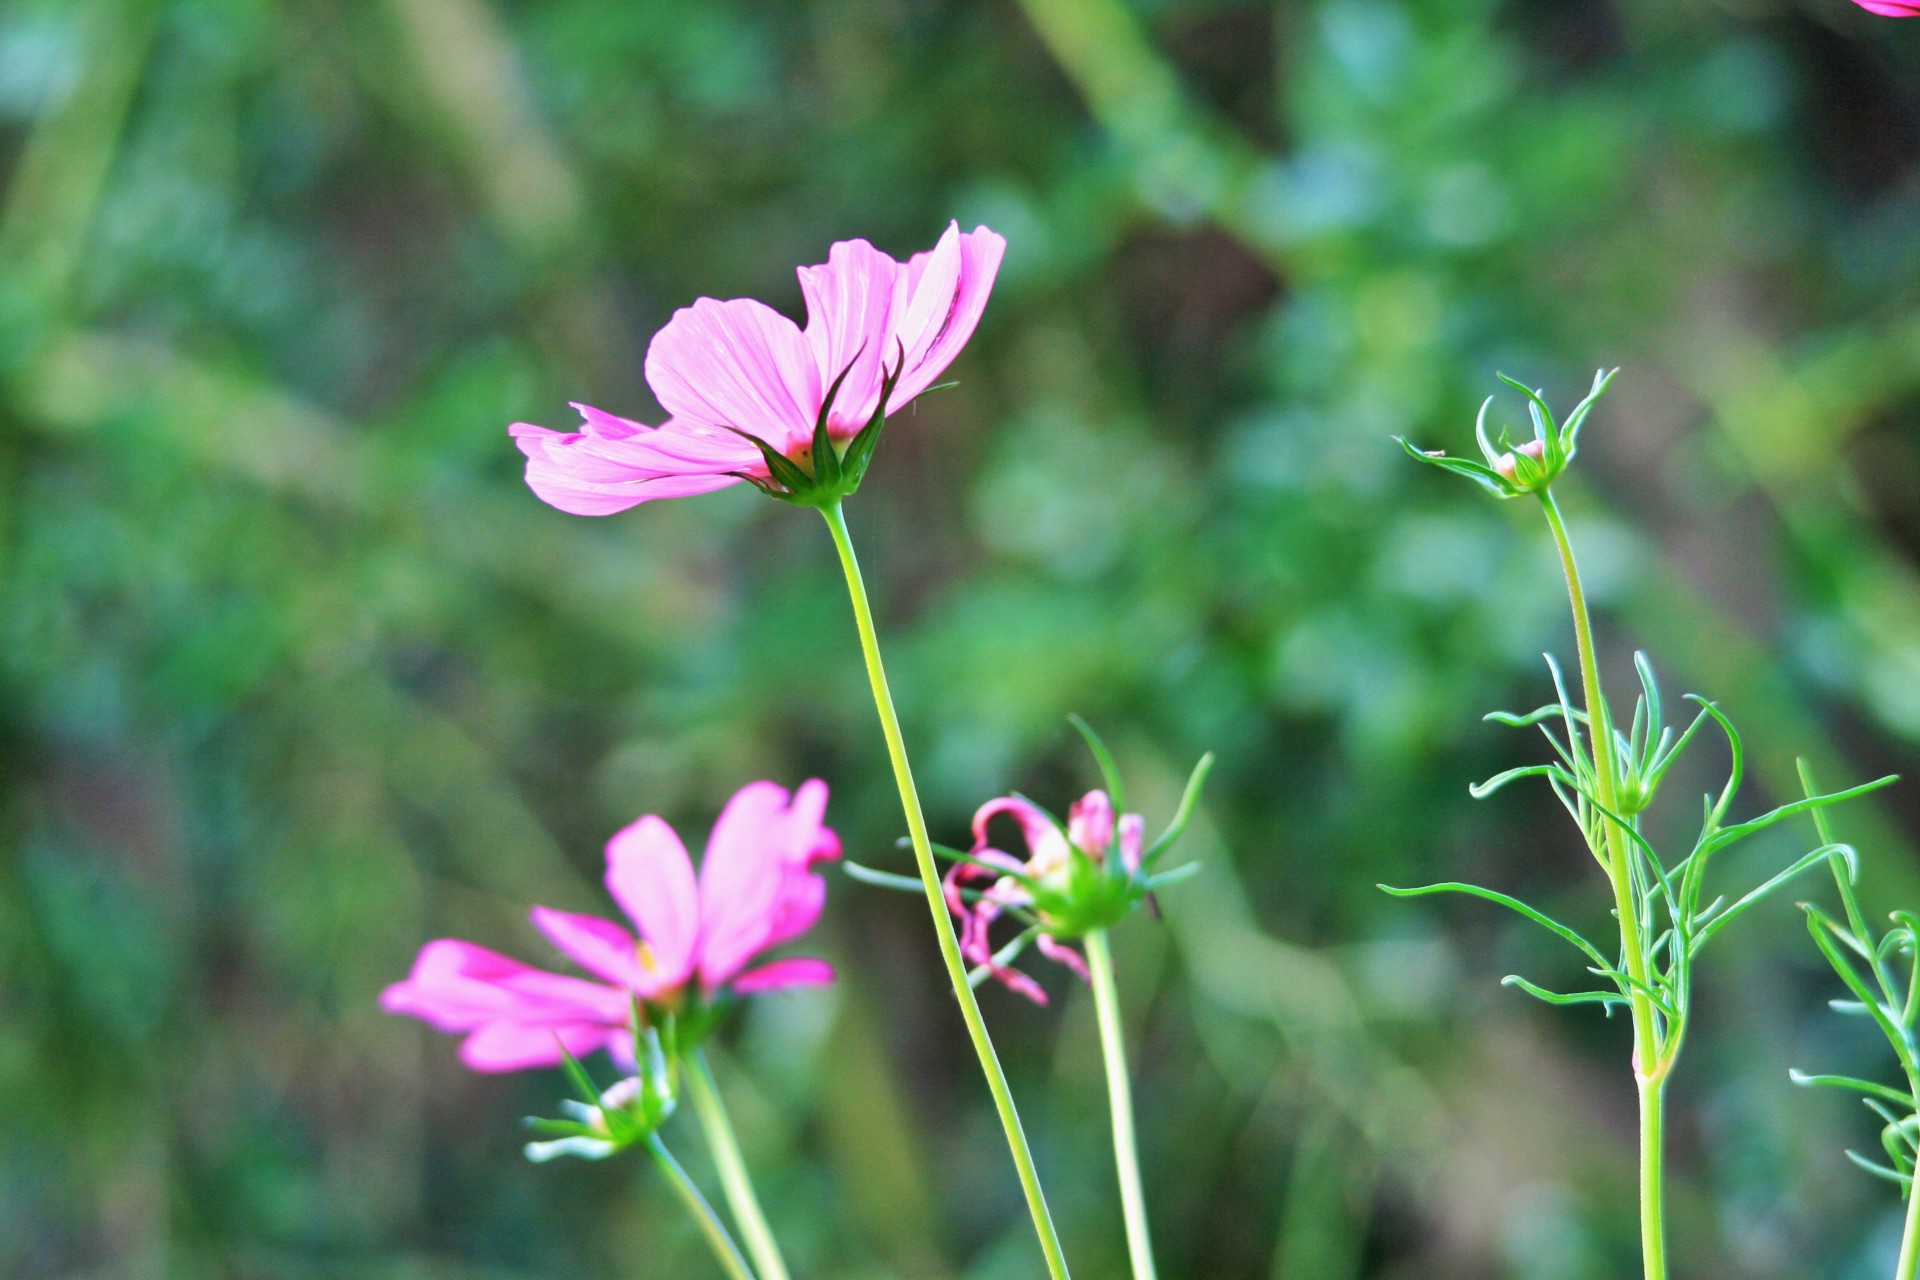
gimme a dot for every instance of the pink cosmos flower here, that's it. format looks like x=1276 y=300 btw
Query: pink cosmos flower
x=756 y=889
x=1891 y=8
x=1046 y=888
x=729 y=370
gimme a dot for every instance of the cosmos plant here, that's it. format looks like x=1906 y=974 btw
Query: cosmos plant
x=1607 y=773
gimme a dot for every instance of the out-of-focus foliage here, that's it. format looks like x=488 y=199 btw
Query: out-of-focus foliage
x=296 y=674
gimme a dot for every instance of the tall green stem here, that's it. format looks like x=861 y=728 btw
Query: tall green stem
x=1126 y=1155
x=710 y=1225
x=714 y=1122
x=1909 y=1268
x=936 y=902
x=1650 y=1063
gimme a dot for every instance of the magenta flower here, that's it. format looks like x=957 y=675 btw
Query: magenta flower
x=750 y=395
x=1064 y=887
x=1891 y=8
x=756 y=890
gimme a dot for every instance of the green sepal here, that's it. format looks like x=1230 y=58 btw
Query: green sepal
x=1189 y=802
x=1478 y=472
x=1109 y=772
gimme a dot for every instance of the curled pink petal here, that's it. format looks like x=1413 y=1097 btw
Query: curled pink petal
x=1891 y=8
x=1034 y=824
x=1061 y=953
x=651 y=877
x=794 y=971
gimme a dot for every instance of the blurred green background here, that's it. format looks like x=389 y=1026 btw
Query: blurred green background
x=295 y=674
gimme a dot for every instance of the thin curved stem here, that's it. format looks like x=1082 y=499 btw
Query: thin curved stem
x=710 y=1225
x=1126 y=1154
x=1650 y=1061
x=711 y=1108
x=936 y=902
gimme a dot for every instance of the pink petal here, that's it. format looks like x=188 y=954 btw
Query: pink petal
x=1133 y=838
x=1039 y=830
x=1061 y=953
x=850 y=302
x=1891 y=8
x=739 y=365
x=755 y=888
x=1090 y=824
x=601 y=947
x=794 y=971
x=946 y=294
x=651 y=877
x=511 y=1046
x=457 y=986
x=616 y=463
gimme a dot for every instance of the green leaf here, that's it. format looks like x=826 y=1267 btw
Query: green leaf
x=1741 y=831
x=1555 y=997
x=1481 y=790
x=1851 y=1083
x=1552 y=711
x=882 y=879
x=1804 y=862
x=1902 y=1180
x=1512 y=904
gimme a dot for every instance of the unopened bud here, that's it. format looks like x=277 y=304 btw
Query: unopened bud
x=1508 y=465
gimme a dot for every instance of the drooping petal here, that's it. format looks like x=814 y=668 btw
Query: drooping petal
x=738 y=365
x=601 y=947
x=513 y=1046
x=850 y=307
x=651 y=877
x=794 y=971
x=1061 y=953
x=945 y=295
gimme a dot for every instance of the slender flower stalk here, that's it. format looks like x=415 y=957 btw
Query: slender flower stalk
x=711 y=1227
x=1126 y=1155
x=711 y=1108
x=1651 y=1062
x=936 y=901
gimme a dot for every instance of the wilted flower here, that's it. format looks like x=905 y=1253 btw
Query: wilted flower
x=1085 y=874
x=751 y=396
x=756 y=890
